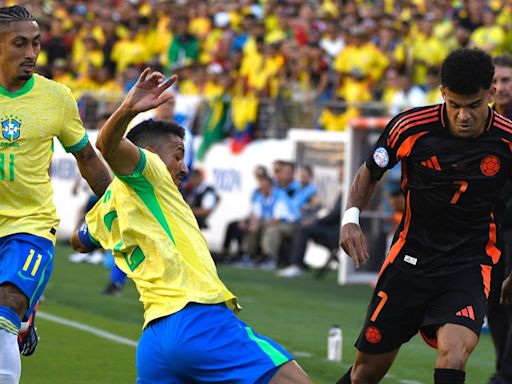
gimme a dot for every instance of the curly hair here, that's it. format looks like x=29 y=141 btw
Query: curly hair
x=467 y=71
x=150 y=132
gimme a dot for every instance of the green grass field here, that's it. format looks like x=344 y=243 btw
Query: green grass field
x=298 y=313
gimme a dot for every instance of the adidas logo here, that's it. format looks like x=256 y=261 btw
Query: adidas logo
x=466 y=312
x=431 y=163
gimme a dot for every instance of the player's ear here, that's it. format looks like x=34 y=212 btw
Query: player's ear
x=492 y=94
x=150 y=149
x=443 y=91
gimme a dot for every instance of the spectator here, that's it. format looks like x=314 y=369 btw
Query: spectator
x=201 y=197
x=324 y=231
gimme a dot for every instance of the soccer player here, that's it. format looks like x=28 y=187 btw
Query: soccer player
x=500 y=316
x=191 y=333
x=33 y=110
x=455 y=159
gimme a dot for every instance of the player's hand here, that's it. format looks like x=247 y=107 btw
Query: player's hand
x=149 y=91
x=506 y=291
x=353 y=242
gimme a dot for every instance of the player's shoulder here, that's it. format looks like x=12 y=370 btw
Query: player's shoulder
x=502 y=125
x=427 y=112
x=413 y=121
x=50 y=86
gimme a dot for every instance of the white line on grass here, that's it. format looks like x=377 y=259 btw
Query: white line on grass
x=86 y=328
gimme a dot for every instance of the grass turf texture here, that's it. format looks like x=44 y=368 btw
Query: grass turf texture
x=296 y=312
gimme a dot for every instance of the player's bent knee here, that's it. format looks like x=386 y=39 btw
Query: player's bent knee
x=12 y=297
x=290 y=373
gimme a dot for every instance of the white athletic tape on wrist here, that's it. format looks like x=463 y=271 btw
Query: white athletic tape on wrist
x=351 y=215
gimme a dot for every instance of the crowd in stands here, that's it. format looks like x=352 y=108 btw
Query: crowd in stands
x=333 y=55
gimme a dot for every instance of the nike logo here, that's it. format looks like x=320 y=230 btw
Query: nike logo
x=25 y=277
x=466 y=312
x=431 y=163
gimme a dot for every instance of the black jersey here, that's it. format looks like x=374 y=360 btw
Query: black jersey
x=453 y=189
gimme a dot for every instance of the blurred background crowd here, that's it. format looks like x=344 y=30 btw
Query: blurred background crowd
x=260 y=67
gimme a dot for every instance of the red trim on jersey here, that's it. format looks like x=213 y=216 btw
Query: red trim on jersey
x=406 y=147
x=508 y=143
x=406 y=118
x=486 y=278
x=502 y=119
x=492 y=114
x=443 y=106
x=412 y=125
x=404 y=123
x=492 y=251
x=506 y=129
x=395 y=248
x=437 y=167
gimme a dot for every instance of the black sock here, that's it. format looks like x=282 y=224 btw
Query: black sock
x=449 y=376
x=345 y=379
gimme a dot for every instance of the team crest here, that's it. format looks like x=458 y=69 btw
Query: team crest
x=373 y=334
x=11 y=129
x=490 y=165
x=381 y=157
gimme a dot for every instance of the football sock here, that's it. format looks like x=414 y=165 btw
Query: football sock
x=449 y=376
x=117 y=276
x=345 y=379
x=10 y=362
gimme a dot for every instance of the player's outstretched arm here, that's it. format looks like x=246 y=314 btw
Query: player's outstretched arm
x=352 y=239
x=93 y=169
x=81 y=241
x=147 y=93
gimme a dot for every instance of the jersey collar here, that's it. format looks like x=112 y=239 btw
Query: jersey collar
x=29 y=84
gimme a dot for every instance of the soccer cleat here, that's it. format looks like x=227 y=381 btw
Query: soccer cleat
x=28 y=339
x=113 y=289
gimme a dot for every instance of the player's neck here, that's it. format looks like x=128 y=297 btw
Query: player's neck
x=11 y=85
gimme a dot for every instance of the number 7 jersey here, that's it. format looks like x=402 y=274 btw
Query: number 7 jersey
x=453 y=190
x=30 y=118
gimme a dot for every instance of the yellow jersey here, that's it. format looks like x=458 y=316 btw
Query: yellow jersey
x=30 y=118
x=156 y=241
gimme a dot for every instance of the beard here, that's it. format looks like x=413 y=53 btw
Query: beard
x=24 y=77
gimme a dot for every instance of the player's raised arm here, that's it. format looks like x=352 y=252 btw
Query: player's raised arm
x=352 y=239
x=148 y=93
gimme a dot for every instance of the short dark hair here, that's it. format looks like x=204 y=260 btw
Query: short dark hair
x=465 y=71
x=15 y=13
x=503 y=60
x=150 y=132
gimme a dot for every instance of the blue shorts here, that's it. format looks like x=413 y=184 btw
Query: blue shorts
x=27 y=262
x=206 y=344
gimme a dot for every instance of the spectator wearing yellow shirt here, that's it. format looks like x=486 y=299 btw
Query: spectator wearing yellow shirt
x=92 y=55
x=362 y=61
x=128 y=50
x=200 y=24
x=427 y=50
x=490 y=37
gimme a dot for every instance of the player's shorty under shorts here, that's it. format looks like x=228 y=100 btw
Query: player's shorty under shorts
x=403 y=304
x=27 y=262
x=206 y=344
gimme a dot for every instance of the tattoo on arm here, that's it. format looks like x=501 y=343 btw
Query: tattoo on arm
x=93 y=169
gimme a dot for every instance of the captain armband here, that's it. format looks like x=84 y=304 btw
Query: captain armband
x=85 y=237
